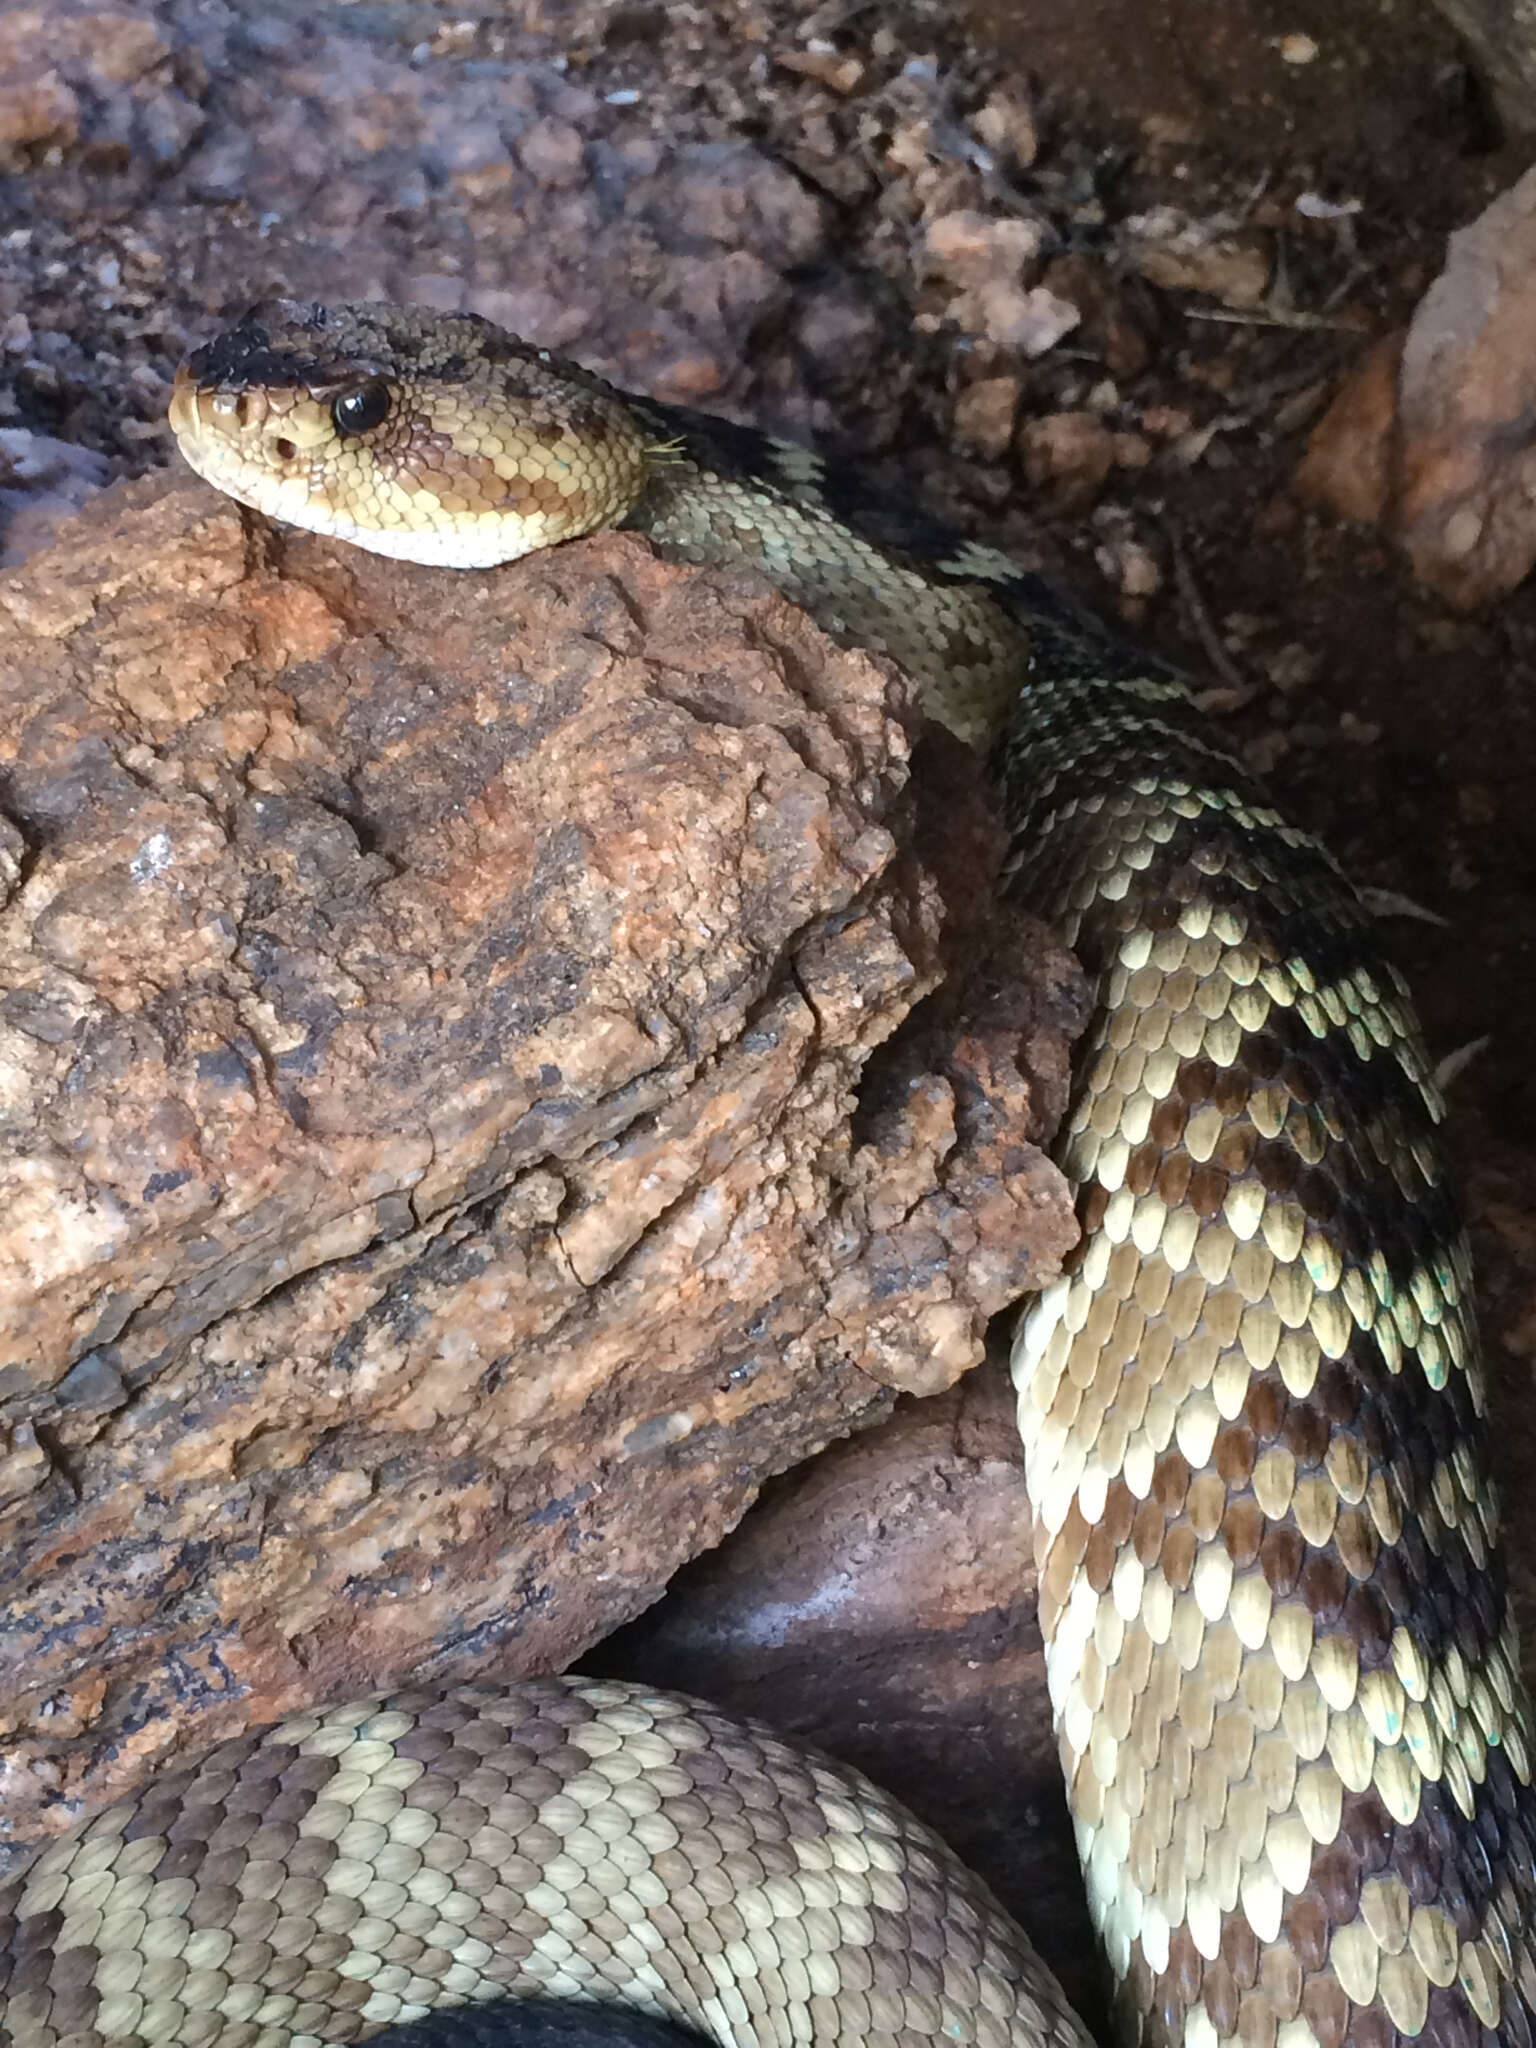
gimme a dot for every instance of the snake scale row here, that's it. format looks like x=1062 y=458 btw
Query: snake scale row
x=1282 y=1666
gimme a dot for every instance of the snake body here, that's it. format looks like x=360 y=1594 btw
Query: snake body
x=1281 y=1660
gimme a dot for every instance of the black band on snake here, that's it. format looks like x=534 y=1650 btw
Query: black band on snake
x=1281 y=1660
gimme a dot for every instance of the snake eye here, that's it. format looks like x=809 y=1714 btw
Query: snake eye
x=355 y=412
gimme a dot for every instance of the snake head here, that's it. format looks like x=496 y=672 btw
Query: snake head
x=430 y=437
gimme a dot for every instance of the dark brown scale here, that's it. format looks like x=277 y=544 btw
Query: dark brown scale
x=1196 y=1081
x=1515 y=2022
x=1265 y=1054
x=1336 y=1392
x=1232 y=1089
x=1416 y=1562
x=1317 y=1194
x=420 y=1744
x=1099 y=1559
x=221 y=1832
x=312 y=1856
x=1207 y=1191
x=1372 y=2029
x=223 y=1870
x=1367 y=1828
x=1240 y=1950
x=1141 y=1169
x=1394 y=1585
x=1325 y=2008
x=1355 y=1538
x=1180 y=1549
x=1368 y=1621
x=1235 y=1453
x=1120 y=1506
x=1221 y=1996
x=1174 y=1177
x=220 y=1768
x=1170 y=1482
x=1483 y=1605
x=1092 y=1208
x=1234 y=1148
x=1298 y=1081
x=1166 y=1128
x=38 y=1932
x=1418 y=1862
x=159 y=1813
x=1372 y=1413
x=31 y=1975
x=1242 y=1531
x=1305 y=1434
x=1282 y=1554
x=289 y=1806
x=1276 y=1165
x=1265 y=1406
x=1147 y=1533
x=1324 y=1586
x=1449 y=2022
x=1336 y=1881
x=448 y=1714
x=1306 y=1928
x=215 y=1901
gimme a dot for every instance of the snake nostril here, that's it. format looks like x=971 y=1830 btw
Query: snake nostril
x=286 y=450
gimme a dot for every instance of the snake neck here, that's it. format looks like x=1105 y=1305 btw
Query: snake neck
x=872 y=573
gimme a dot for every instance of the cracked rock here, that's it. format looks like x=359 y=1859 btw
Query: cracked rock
x=457 y=1118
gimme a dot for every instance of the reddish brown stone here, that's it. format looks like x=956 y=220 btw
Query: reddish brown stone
x=437 y=1012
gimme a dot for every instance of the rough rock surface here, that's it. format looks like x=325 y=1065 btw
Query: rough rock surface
x=440 y=1128
x=1431 y=437
x=880 y=1600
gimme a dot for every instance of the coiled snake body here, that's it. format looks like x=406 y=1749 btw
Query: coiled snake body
x=1282 y=1667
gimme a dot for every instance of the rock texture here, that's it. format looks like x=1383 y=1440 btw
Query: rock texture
x=1432 y=435
x=452 y=1140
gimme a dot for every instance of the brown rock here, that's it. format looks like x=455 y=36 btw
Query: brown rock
x=984 y=416
x=972 y=250
x=1430 y=437
x=1466 y=500
x=1025 y=323
x=1211 y=256
x=841 y=72
x=1069 y=454
x=1006 y=123
x=37 y=112
x=438 y=1124
x=77 y=75
x=1349 y=465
